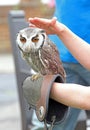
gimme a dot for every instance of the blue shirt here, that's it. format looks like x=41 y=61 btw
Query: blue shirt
x=75 y=14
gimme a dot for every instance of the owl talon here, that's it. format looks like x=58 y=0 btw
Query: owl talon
x=35 y=77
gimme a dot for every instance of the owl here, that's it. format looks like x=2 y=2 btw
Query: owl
x=40 y=52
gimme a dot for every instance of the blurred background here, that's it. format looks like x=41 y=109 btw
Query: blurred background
x=32 y=8
x=9 y=105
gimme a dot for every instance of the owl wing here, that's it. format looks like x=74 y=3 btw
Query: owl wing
x=51 y=60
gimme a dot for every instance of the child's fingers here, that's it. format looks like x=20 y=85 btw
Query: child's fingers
x=31 y=25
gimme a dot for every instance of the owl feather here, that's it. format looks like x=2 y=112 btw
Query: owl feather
x=40 y=52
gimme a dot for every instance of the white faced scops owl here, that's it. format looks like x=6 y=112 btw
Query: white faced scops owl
x=40 y=53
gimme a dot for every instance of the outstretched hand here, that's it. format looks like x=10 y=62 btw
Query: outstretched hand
x=47 y=24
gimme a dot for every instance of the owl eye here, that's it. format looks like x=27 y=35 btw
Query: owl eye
x=22 y=39
x=35 y=39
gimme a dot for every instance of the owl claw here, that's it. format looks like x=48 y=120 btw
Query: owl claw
x=35 y=77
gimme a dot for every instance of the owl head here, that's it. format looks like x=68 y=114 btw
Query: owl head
x=31 y=39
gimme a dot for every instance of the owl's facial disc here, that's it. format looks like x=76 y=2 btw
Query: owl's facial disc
x=23 y=39
x=37 y=41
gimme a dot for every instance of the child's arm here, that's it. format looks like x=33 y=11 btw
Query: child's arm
x=78 y=47
x=73 y=95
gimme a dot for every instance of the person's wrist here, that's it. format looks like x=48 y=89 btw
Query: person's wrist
x=60 y=28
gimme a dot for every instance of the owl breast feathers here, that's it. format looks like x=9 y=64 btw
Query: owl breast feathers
x=40 y=52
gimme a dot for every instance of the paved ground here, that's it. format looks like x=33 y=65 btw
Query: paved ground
x=9 y=106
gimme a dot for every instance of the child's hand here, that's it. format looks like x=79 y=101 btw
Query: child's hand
x=46 y=24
